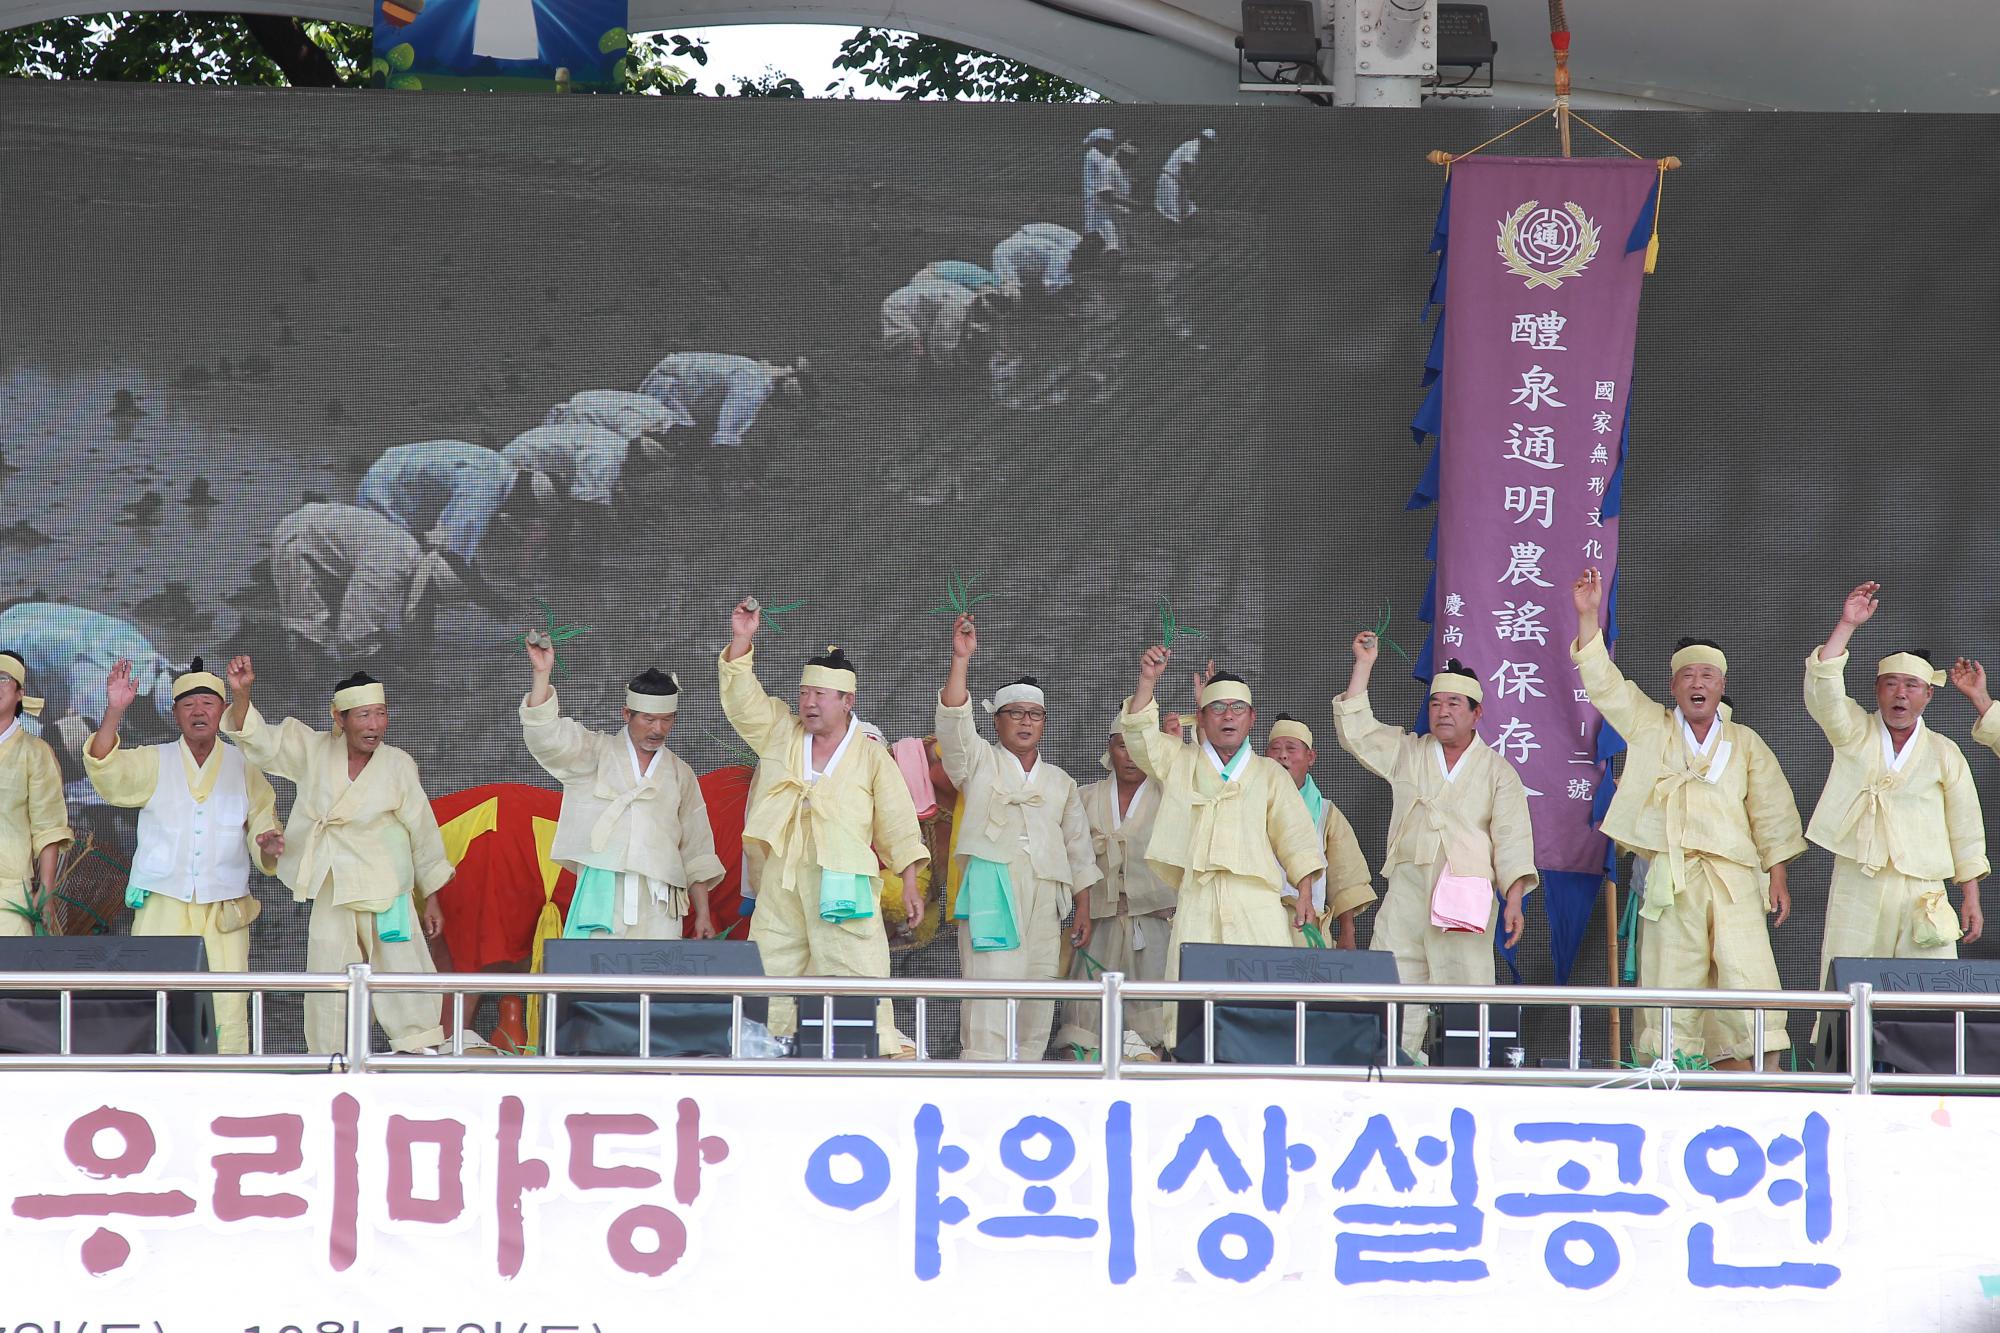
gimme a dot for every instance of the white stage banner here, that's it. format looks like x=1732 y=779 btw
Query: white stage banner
x=511 y=1203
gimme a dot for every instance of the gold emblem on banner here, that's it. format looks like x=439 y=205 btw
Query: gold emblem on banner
x=1547 y=246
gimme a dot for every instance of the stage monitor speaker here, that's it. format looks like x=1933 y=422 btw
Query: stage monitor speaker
x=105 y=1022
x=1460 y=1047
x=688 y=1025
x=854 y=1036
x=1251 y=1033
x=1917 y=1041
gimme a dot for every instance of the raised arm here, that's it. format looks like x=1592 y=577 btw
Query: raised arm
x=285 y=749
x=1374 y=745
x=1855 y=612
x=1970 y=678
x=1624 y=705
x=1139 y=722
x=559 y=744
x=959 y=748
x=758 y=718
x=119 y=691
x=1366 y=648
x=1843 y=720
x=124 y=778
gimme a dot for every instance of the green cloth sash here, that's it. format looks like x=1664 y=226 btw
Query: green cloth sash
x=1662 y=884
x=1314 y=801
x=135 y=897
x=986 y=905
x=594 y=909
x=844 y=896
x=392 y=923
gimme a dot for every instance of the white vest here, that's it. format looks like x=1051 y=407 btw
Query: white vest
x=194 y=851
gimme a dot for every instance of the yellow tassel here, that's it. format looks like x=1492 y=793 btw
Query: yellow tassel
x=548 y=927
x=1659 y=202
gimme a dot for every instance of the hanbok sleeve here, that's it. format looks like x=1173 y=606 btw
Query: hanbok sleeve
x=1963 y=821
x=1774 y=812
x=1512 y=832
x=1375 y=746
x=124 y=778
x=1349 y=885
x=1153 y=751
x=762 y=722
x=561 y=745
x=1838 y=716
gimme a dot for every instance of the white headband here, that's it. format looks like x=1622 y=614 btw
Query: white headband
x=655 y=703
x=1017 y=693
x=1451 y=682
x=359 y=696
x=1219 y=691
x=1909 y=664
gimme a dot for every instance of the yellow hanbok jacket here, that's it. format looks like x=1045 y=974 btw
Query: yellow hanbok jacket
x=1120 y=849
x=1921 y=820
x=1733 y=807
x=1028 y=822
x=32 y=813
x=837 y=824
x=1477 y=819
x=1253 y=828
x=359 y=844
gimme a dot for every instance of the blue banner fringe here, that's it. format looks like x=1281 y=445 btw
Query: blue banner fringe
x=1642 y=226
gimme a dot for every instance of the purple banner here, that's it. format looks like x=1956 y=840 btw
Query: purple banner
x=1539 y=323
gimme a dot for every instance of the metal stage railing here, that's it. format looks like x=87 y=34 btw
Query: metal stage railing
x=1857 y=1005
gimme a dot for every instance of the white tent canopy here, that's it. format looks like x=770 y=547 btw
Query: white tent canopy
x=1803 y=55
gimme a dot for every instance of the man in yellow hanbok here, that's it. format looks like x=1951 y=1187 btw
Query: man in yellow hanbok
x=1233 y=834
x=34 y=822
x=1347 y=886
x=634 y=826
x=826 y=802
x=1458 y=809
x=1899 y=811
x=1703 y=799
x=1025 y=853
x=362 y=846
x=205 y=817
x=1131 y=907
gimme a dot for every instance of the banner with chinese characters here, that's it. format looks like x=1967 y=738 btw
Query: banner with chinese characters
x=199 y=1203
x=1529 y=378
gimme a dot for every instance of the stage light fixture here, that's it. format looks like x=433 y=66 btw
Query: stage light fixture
x=1282 y=32
x=1465 y=38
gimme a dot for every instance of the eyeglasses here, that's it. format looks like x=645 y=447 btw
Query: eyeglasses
x=1228 y=708
x=1023 y=714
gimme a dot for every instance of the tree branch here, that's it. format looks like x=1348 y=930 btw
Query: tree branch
x=285 y=41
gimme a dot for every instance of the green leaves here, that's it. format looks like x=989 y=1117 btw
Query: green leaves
x=1171 y=627
x=933 y=69
x=1380 y=629
x=402 y=56
x=740 y=754
x=959 y=598
x=616 y=39
x=557 y=633
x=771 y=614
